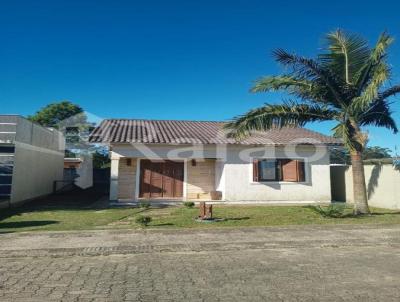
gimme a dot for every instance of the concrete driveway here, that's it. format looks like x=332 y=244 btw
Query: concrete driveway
x=312 y=263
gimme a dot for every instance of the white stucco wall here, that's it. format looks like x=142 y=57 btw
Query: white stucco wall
x=38 y=161
x=239 y=185
x=233 y=169
x=382 y=183
x=85 y=172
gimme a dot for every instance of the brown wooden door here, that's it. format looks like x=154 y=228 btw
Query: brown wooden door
x=156 y=183
x=161 y=179
x=145 y=178
x=178 y=180
x=168 y=180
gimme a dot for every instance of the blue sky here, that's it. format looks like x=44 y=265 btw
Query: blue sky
x=170 y=59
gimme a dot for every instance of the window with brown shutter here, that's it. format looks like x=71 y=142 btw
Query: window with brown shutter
x=301 y=173
x=281 y=169
x=289 y=170
x=255 y=170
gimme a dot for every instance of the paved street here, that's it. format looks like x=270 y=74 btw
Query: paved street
x=337 y=263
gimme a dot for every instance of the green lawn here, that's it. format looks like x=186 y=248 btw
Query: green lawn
x=77 y=211
x=74 y=211
x=263 y=216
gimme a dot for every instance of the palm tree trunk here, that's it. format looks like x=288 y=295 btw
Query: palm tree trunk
x=359 y=188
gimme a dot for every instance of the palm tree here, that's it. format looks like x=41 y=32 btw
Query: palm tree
x=346 y=83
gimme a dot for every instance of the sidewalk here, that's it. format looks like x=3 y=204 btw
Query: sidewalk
x=106 y=242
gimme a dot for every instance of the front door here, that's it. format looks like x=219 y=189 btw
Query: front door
x=161 y=179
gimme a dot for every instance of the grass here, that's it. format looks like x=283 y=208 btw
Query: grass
x=246 y=216
x=76 y=211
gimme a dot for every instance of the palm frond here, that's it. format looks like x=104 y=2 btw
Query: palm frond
x=381 y=46
x=381 y=74
x=276 y=116
x=309 y=91
x=379 y=115
x=346 y=54
x=346 y=132
x=392 y=91
x=285 y=82
x=311 y=70
x=376 y=58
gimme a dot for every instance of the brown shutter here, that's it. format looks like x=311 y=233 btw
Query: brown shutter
x=300 y=171
x=255 y=170
x=289 y=170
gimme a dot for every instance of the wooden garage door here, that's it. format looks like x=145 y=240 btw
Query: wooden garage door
x=161 y=179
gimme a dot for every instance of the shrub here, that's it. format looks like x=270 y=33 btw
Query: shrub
x=189 y=204
x=143 y=220
x=332 y=211
x=144 y=204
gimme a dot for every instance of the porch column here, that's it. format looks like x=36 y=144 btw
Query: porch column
x=114 y=179
x=220 y=176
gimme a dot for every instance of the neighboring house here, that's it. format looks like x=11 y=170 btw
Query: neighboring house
x=194 y=160
x=79 y=171
x=31 y=159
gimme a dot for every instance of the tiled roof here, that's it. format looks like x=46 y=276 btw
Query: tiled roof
x=197 y=132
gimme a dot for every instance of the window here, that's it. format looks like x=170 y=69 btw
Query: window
x=280 y=169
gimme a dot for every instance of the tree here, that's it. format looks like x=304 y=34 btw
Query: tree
x=69 y=153
x=101 y=159
x=346 y=83
x=71 y=120
x=342 y=155
x=376 y=152
x=54 y=114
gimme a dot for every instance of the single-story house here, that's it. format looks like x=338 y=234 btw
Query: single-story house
x=195 y=160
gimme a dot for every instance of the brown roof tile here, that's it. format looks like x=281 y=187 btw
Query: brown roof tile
x=197 y=132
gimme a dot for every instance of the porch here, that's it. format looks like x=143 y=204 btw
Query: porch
x=135 y=179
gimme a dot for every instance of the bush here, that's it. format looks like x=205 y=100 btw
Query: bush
x=143 y=220
x=144 y=204
x=332 y=211
x=189 y=204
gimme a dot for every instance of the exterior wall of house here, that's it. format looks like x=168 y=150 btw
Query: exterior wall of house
x=239 y=185
x=232 y=172
x=127 y=178
x=200 y=179
x=382 y=183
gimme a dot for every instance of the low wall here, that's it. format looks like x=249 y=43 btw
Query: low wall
x=382 y=181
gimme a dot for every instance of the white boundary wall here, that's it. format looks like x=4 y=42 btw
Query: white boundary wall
x=382 y=181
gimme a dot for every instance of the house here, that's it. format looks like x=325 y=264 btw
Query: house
x=79 y=171
x=31 y=160
x=195 y=160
